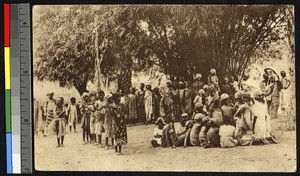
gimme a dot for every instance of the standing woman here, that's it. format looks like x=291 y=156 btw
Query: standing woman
x=275 y=86
x=156 y=103
x=132 y=106
x=141 y=103
x=39 y=117
x=148 y=104
x=119 y=125
x=58 y=124
x=48 y=109
x=285 y=85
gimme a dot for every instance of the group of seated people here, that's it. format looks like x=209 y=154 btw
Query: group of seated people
x=228 y=122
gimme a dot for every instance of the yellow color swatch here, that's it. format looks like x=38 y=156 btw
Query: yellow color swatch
x=7 y=67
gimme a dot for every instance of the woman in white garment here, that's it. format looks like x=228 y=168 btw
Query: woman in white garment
x=148 y=104
x=284 y=100
x=262 y=124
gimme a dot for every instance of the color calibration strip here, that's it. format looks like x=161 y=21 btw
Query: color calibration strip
x=17 y=65
x=7 y=88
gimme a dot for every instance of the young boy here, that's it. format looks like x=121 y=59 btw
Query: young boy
x=92 y=118
x=108 y=122
x=72 y=114
x=86 y=115
x=58 y=124
x=100 y=107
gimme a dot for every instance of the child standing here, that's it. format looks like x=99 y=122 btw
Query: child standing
x=86 y=115
x=100 y=112
x=72 y=113
x=92 y=120
x=108 y=123
x=120 y=131
x=58 y=124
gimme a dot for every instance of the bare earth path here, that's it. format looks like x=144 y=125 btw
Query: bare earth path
x=140 y=156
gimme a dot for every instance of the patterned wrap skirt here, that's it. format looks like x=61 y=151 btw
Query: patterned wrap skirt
x=57 y=127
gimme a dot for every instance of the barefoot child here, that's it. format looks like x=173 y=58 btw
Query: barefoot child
x=86 y=115
x=108 y=122
x=72 y=114
x=100 y=112
x=58 y=124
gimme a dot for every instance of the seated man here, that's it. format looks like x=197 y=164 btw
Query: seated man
x=212 y=125
x=227 y=108
x=227 y=134
x=195 y=131
x=179 y=138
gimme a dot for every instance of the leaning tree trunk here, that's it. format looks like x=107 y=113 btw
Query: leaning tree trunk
x=101 y=82
x=124 y=73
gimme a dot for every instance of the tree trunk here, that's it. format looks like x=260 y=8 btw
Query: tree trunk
x=81 y=88
x=124 y=74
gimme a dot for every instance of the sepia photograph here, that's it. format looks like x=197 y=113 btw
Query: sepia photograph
x=171 y=88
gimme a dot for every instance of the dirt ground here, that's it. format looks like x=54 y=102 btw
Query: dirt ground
x=140 y=156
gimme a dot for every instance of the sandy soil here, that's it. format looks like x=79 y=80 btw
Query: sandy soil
x=140 y=156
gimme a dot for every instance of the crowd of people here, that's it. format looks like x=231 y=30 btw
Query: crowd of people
x=211 y=113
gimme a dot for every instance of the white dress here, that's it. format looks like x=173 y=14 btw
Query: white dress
x=148 y=105
x=73 y=116
x=263 y=124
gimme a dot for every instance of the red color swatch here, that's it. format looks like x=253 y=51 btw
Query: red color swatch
x=6 y=25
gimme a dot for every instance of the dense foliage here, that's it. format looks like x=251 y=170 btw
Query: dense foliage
x=77 y=44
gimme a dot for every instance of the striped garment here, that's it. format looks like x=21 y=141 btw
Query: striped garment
x=50 y=105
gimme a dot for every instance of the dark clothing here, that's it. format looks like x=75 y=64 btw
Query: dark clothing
x=228 y=89
x=141 y=106
x=228 y=111
x=167 y=108
x=184 y=98
x=120 y=131
x=156 y=105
